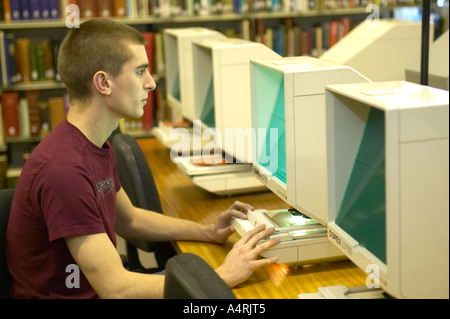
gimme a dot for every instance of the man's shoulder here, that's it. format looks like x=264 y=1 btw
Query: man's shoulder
x=55 y=156
x=60 y=144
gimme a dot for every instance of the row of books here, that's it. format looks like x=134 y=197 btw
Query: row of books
x=24 y=60
x=12 y=10
x=28 y=116
x=168 y=8
x=16 y=10
x=292 y=40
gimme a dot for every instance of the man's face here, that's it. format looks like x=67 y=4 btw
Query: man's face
x=130 y=88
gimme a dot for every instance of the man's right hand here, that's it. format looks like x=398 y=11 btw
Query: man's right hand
x=242 y=260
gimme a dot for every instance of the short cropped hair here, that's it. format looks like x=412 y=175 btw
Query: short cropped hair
x=98 y=45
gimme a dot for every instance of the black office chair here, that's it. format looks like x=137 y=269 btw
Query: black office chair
x=6 y=197
x=189 y=277
x=137 y=181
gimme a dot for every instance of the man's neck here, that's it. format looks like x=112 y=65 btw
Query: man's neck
x=92 y=122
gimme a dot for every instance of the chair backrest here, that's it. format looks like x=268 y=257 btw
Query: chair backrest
x=138 y=182
x=6 y=197
x=134 y=173
x=189 y=277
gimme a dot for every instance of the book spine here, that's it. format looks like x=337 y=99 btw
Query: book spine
x=23 y=60
x=88 y=8
x=345 y=26
x=3 y=67
x=55 y=48
x=277 y=42
x=149 y=48
x=24 y=118
x=104 y=8
x=39 y=52
x=33 y=62
x=227 y=6
x=16 y=11
x=130 y=13
x=164 y=8
x=143 y=8
x=326 y=35
x=310 y=42
x=10 y=57
x=44 y=6
x=7 y=11
x=57 y=111
x=49 y=68
x=120 y=8
x=283 y=39
x=44 y=113
x=259 y=35
x=333 y=33
x=297 y=42
x=10 y=109
x=269 y=38
x=54 y=9
x=289 y=38
x=159 y=54
x=62 y=5
x=32 y=97
x=34 y=7
x=25 y=9
x=319 y=41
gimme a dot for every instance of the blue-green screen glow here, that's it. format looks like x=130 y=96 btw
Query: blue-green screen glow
x=363 y=209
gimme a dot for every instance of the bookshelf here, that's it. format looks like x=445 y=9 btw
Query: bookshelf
x=38 y=85
x=238 y=18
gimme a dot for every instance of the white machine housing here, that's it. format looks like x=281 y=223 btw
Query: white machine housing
x=179 y=66
x=222 y=179
x=300 y=81
x=226 y=62
x=416 y=147
x=379 y=49
x=438 y=66
x=297 y=247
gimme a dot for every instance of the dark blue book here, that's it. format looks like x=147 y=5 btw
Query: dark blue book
x=16 y=10
x=35 y=9
x=25 y=9
x=52 y=6
x=9 y=62
x=277 y=41
x=236 y=6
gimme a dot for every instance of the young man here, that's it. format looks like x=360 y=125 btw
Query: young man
x=69 y=202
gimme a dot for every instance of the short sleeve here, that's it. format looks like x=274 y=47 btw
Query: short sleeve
x=69 y=204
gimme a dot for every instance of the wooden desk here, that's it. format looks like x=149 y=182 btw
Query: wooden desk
x=181 y=198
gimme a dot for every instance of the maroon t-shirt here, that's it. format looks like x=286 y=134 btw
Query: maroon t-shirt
x=67 y=188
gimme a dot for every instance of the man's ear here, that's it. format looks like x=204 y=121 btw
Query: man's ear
x=101 y=82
